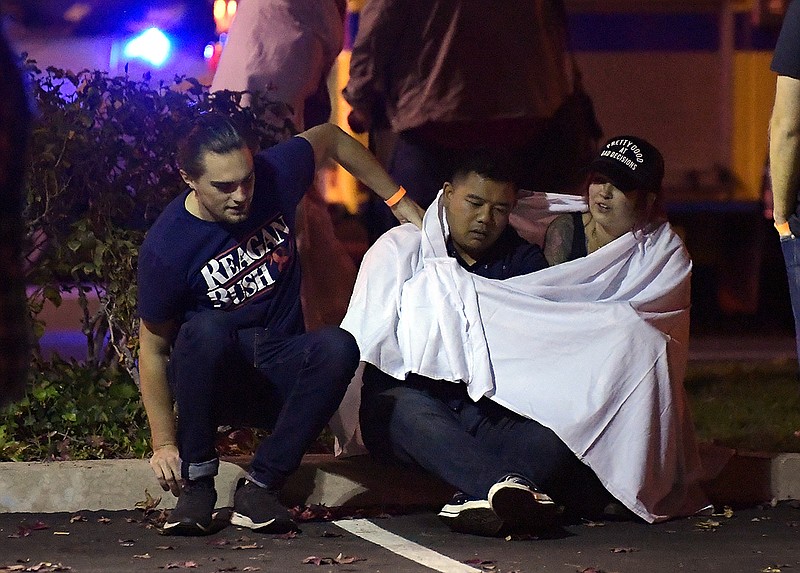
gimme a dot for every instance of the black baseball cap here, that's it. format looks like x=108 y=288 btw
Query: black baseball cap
x=630 y=163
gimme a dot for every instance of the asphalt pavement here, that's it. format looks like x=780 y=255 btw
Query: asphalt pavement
x=760 y=539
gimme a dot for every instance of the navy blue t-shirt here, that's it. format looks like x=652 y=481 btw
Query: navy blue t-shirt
x=510 y=256
x=786 y=59
x=250 y=269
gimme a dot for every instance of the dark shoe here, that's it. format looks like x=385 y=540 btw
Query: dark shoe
x=518 y=502
x=466 y=514
x=193 y=513
x=615 y=511
x=258 y=508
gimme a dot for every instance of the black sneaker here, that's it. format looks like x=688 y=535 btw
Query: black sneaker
x=193 y=513
x=518 y=502
x=466 y=514
x=258 y=508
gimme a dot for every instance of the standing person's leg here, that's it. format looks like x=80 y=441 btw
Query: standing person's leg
x=15 y=123
x=307 y=375
x=790 y=245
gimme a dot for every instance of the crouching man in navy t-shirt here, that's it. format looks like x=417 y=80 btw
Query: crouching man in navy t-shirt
x=221 y=323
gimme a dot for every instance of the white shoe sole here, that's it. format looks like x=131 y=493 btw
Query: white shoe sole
x=473 y=517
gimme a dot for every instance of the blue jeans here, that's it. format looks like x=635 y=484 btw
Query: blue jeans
x=790 y=246
x=292 y=385
x=435 y=425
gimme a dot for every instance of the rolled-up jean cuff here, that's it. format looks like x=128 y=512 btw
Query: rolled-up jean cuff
x=199 y=470
x=257 y=482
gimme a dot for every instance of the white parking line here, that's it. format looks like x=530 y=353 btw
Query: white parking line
x=429 y=558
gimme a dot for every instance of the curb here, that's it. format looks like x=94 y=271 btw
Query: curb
x=736 y=479
x=110 y=485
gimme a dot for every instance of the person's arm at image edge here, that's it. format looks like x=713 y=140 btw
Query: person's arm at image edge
x=379 y=28
x=784 y=148
x=155 y=341
x=330 y=142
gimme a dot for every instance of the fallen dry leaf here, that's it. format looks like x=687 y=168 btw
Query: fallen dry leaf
x=727 y=512
x=77 y=517
x=483 y=564
x=346 y=560
x=312 y=513
x=42 y=567
x=624 y=549
x=248 y=546
x=22 y=531
x=181 y=565
x=148 y=503
x=103 y=519
x=165 y=547
x=251 y=568
x=287 y=535
x=142 y=556
x=707 y=525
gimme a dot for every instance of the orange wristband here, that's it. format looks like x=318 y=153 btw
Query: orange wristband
x=395 y=199
x=783 y=229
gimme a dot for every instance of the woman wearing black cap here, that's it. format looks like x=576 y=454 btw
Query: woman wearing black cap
x=623 y=196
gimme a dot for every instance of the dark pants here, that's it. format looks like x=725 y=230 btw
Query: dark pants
x=791 y=256
x=435 y=425
x=421 y=169
x=224 y=375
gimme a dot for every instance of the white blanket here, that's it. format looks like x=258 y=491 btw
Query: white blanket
x=594 y=349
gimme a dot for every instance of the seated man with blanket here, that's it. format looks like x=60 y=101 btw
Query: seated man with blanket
x=542 y=389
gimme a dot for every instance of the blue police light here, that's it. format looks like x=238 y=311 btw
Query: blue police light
x=152 y=46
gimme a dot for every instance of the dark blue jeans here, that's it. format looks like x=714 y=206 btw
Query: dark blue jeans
x=292 y=385
x=791 y=255
x=435 y=425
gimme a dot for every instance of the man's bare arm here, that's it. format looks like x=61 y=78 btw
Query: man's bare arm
x=330 y=142
x=155 y=342
x=784 y=148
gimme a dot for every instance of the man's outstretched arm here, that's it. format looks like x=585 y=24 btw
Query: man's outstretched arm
x=784 y=148
x=155 y=341
x=330 y=142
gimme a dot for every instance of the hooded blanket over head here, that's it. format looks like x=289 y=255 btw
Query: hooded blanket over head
x=594 y=349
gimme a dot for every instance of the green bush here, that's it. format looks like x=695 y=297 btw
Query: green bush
x=75 y=411
x=101 y=168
